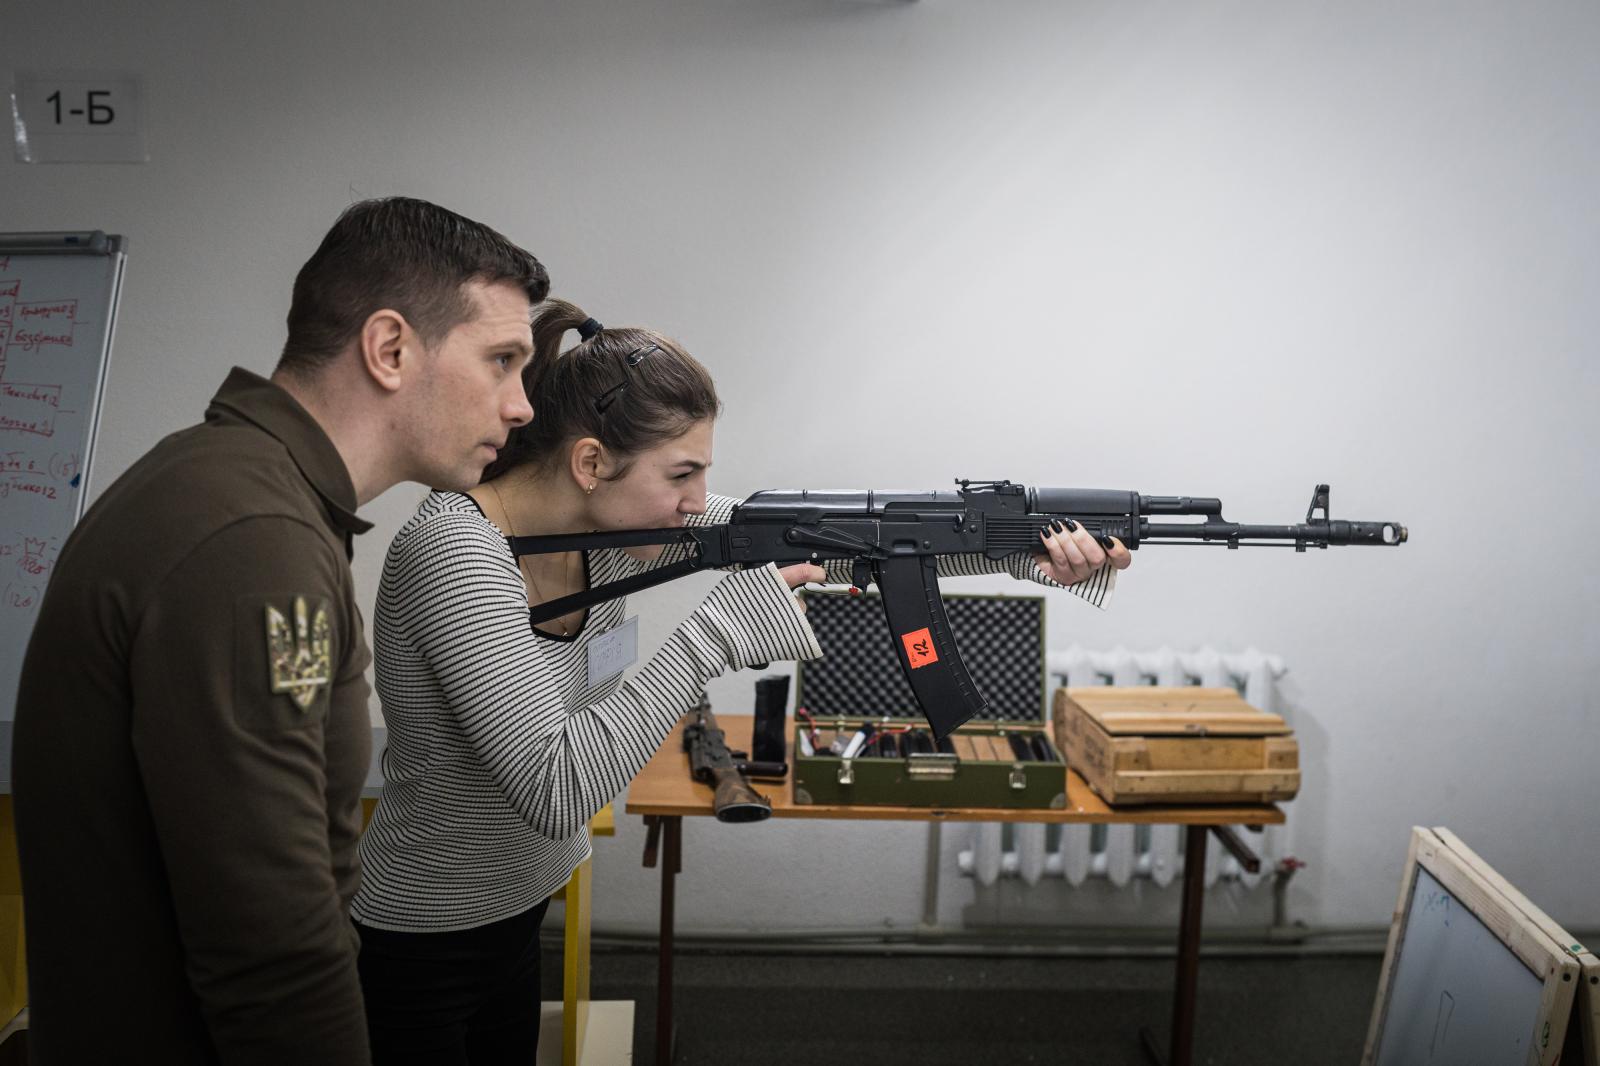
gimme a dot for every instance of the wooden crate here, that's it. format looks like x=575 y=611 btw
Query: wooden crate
x=1175 y=745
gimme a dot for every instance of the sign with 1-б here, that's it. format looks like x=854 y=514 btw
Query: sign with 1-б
x=78 y=117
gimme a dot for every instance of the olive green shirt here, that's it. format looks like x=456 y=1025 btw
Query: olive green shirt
x=191 y=741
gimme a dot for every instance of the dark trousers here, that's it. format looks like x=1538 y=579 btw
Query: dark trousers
x=467 y=998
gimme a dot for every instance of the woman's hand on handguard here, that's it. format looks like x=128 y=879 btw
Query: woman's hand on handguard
x=801 y=574
x=1069 y=553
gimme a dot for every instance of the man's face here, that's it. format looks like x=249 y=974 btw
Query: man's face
x=662 y=486
x=470 y=393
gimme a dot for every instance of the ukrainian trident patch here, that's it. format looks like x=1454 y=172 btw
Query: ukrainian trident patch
x=301 y=657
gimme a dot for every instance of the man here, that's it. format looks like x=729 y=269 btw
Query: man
x=192 y=731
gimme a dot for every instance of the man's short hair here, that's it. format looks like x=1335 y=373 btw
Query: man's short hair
x=407 y=255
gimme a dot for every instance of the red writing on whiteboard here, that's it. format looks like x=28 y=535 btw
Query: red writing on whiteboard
x=20 y=596
x=49 y=395
x=31 y=340
x=29 y=408
x=19 y=483
x=64 y=467
x=44 y=427
x=33 y=562
x=12 y=288
x=37 y=549
x=59 y=311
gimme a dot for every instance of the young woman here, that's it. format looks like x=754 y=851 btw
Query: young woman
x=502 y=741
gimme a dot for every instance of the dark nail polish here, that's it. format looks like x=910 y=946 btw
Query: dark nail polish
x=1072 y=525
x=1056 y=524
x=1105 y=542
x=1044 y=530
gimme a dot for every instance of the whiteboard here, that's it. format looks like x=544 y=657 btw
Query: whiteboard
x=58 y=304
x=1459 y=994
x=1468 y=977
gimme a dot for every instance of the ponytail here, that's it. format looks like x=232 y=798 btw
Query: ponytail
x=650 y=397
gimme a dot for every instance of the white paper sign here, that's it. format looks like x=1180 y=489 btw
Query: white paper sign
x=613 y=652
x=78 y=117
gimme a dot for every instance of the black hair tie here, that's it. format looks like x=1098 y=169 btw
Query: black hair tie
x=588 y=328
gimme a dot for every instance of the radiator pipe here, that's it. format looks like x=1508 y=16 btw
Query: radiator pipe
x=1281 y=874
x=930 y=881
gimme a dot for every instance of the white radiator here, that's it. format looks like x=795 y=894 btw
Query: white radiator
x=1120 y=853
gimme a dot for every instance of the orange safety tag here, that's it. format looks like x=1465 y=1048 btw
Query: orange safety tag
x=919 y=648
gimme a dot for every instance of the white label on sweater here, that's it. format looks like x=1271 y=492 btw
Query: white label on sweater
x=611 y=653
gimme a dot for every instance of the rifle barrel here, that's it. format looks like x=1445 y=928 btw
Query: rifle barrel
x=1317 y=533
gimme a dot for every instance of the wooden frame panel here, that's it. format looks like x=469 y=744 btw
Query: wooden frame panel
x=1503 y=911
x=1588 y=1008
x=1586 y=1001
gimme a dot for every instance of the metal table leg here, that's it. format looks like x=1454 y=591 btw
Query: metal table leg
x=1248 y=860
x=667 y=830
x=1181 y=1050
x=1188 y=976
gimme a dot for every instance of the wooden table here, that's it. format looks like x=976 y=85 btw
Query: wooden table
x=665 y=794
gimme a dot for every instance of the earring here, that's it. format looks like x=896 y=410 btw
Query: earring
x=590 y=490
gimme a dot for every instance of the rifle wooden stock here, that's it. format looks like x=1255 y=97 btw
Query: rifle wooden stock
x=709 y=762
x=736 y=801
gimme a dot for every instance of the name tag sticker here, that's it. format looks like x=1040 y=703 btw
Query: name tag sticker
x=613 y=652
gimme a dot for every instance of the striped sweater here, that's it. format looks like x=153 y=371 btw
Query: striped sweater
x=499 y=750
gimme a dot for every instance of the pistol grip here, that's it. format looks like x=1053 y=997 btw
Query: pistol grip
x=923 y=643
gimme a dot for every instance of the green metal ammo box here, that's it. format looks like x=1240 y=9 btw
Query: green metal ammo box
x=858 y=681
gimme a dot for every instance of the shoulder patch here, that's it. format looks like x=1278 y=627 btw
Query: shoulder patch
x=300 y=656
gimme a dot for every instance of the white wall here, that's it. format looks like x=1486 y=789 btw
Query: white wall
x=1216 y=248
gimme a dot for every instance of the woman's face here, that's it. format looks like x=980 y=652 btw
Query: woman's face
x=662 y=487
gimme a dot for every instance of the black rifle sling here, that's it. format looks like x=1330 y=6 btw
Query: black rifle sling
x=705 y=544
x=611 y=590
x=909 y=588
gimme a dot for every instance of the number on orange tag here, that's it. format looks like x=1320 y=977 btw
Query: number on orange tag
x=919 y=648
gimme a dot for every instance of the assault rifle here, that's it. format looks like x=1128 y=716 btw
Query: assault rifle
x=711 y=763
x=893 y=539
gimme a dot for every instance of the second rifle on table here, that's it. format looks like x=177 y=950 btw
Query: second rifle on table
x=711 y=763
